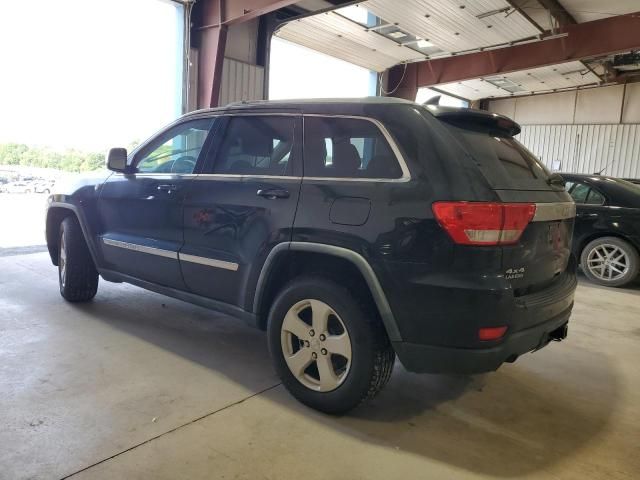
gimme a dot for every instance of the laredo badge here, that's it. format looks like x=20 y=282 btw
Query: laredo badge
x=514 y=273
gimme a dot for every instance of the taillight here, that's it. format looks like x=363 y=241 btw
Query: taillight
x=484 y=223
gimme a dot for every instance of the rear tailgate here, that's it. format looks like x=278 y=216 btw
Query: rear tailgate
x=543 y=252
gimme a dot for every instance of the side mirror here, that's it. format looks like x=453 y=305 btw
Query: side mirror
x=117 y=160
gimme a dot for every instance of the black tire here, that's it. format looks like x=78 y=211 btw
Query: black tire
x=631 y=261
x=372 y=356
x=77 y=274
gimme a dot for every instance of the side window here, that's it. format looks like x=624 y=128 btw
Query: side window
x=347 y=148
x=176 y=150
x=257 y=145
x=579 y=192
x=595 y=198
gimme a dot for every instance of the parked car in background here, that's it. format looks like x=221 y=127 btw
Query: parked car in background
x=18 y=187
x=44 y=186
x=606 y=238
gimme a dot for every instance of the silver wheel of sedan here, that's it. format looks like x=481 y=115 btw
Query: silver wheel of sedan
x=316 y=345
x=608 y=262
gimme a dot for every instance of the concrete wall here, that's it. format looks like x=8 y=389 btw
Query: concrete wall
x=603 y=105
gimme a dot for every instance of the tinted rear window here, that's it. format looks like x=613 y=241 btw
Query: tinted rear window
x=504 y=161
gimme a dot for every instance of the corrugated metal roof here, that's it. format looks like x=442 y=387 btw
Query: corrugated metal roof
x=588 y=10
x=452 y=25
x=339 y=37
x=554 y=77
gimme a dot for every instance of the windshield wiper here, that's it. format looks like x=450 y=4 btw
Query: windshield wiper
x=556 y=180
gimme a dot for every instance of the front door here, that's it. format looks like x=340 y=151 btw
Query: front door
x=141 y=212
x=241 y=205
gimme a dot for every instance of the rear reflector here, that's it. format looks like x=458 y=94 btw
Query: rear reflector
x=484 y=223
x=491 y=333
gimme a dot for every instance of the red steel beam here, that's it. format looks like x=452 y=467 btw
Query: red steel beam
x=583 y=41
x=217 y=15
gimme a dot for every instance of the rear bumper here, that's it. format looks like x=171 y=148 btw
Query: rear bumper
x=441 y=336
x=434 y=359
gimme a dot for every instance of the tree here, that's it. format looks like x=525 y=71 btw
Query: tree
x=71 y=160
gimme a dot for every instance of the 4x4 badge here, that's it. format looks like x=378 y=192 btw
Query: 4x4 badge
x=514 y=273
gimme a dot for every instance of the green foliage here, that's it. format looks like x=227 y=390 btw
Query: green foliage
x=70 y=160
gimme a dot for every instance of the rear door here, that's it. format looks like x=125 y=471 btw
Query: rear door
x=141 y=212
x=543 y=252
x=242 y=205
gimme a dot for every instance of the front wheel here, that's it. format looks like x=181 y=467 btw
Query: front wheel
x=330 y=351
x=77 y=274
x=610 y=261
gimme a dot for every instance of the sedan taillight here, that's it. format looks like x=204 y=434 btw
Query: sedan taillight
x=484 y=223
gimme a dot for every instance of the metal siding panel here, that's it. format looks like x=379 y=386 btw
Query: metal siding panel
x=586 y=148
x=241 y=81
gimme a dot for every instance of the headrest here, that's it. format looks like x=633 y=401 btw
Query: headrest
x=346 y=159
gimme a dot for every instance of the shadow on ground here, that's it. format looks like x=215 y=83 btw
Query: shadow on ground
x=518 y=420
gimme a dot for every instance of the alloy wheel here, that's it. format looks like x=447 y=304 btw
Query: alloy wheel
x=62 y=262
x=608 y=262
x=316 y=345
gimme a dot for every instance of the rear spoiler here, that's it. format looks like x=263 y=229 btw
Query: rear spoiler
x=472 y=119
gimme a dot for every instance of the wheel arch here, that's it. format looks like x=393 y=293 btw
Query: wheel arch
x=56 y=213
x=294 y=258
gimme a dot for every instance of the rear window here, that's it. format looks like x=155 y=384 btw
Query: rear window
x=506 y=152
x=504 y=161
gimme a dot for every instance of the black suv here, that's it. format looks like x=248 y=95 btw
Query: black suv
x=351 y=230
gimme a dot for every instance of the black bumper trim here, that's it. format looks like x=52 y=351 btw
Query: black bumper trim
x=435 y=359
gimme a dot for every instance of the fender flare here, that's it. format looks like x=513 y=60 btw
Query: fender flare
x=356 y=259
x=81 y=220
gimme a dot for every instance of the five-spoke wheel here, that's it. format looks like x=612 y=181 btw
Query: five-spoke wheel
x=316 y=345
x=328 y=344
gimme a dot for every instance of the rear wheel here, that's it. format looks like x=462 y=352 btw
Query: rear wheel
x=610 y=261
x=77 y=274
x=330 y=351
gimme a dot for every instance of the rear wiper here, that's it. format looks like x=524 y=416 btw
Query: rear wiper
x=556 y=180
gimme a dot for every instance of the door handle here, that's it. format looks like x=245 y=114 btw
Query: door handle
x=167 y=188
x=273 y=193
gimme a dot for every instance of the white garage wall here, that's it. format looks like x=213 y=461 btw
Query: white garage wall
x=586 y=148
x=581 y=131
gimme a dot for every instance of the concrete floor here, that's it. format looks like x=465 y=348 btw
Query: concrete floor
x=135 y=385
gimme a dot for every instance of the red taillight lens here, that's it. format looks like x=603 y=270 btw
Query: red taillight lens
x=484 y=223
x=491 y=333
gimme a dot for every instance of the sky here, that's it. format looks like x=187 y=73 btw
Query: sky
x=80 y=73
x=313 y=75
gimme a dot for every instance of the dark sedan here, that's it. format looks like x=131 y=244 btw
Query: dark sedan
x=606 y=238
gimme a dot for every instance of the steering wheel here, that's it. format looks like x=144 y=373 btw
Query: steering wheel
x=184 y=164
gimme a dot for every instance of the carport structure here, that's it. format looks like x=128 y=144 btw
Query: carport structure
x=472 y=49
x=495 y=54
